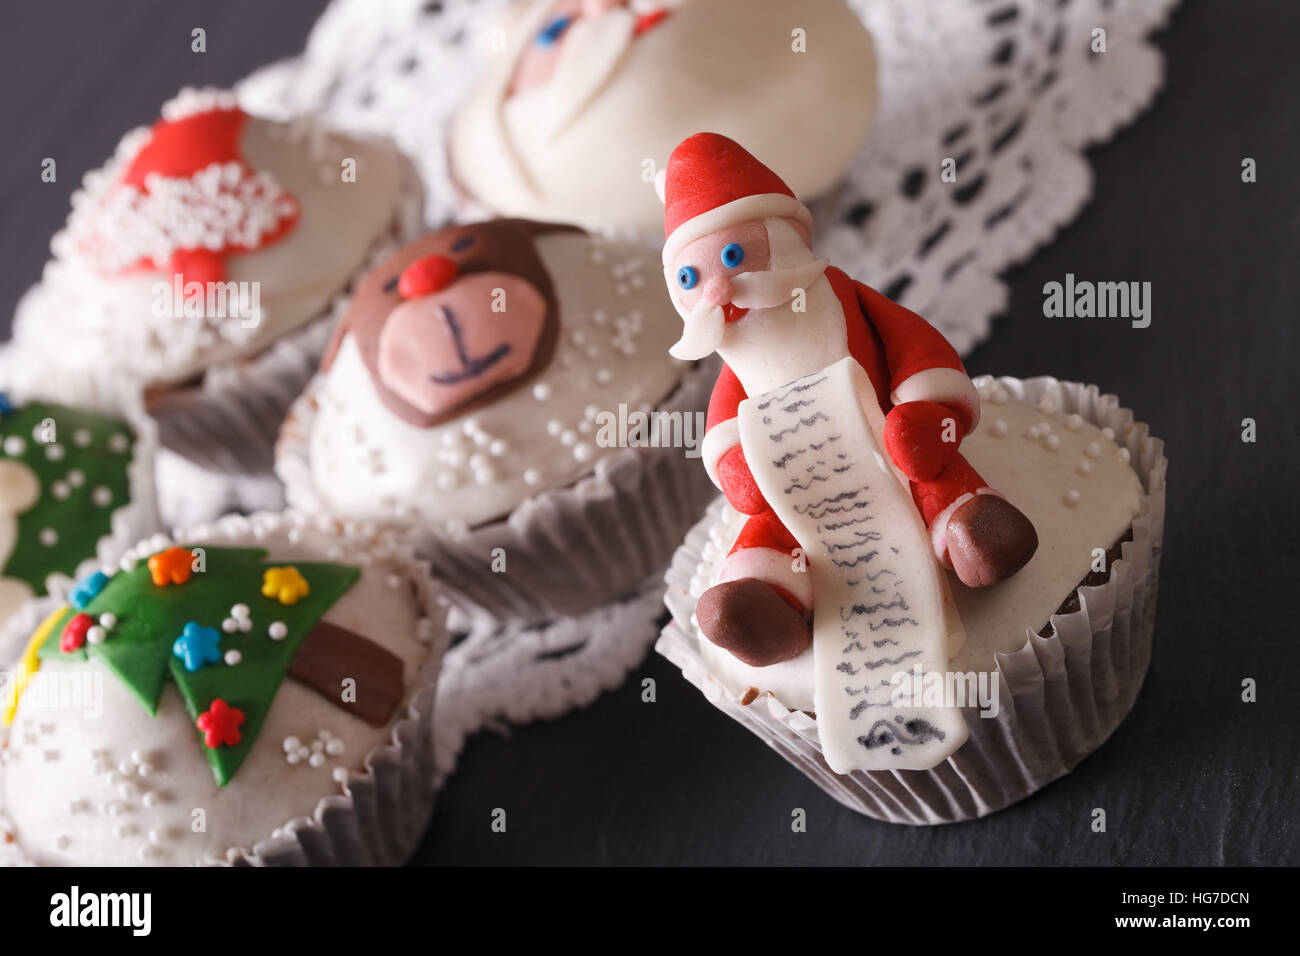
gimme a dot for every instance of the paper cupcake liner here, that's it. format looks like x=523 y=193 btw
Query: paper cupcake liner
x=1061 y=696
x=569 y=549
x=135 y=518
x=384 y=809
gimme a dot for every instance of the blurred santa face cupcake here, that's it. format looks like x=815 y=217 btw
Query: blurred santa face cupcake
x=206 y=240
x=588 y=98
x=486 y=386
x=249 y=691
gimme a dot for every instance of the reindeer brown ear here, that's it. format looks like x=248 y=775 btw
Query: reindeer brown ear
x=336 y=339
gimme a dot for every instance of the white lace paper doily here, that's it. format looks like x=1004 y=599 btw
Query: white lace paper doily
x=1011 y=90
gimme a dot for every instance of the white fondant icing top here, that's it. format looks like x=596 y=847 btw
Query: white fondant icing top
x=114 y=323
x=122 y=788
x=615 y=326
x=1036 y=457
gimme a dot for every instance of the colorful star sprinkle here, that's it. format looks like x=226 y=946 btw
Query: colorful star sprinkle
x=74 y=633
x=172 y=566
x=87 y=588
x=197 y=646
x=220 y=724
x=285 y=585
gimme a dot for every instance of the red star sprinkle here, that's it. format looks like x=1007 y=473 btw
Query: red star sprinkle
x=220 y=725
x=74 y=633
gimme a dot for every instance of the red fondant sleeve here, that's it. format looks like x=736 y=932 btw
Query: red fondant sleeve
x=728 y=393
x=911 y=344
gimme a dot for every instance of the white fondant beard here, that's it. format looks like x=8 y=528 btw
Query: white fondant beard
x=772 y=346
x=705 y=326
x=593 y=49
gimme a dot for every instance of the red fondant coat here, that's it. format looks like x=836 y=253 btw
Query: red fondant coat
x=892 y=344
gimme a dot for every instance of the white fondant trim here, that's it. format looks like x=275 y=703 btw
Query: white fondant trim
x=718 y=440
x=939 y=526
x=744 y=209
x=771 y=567
x=944 y=385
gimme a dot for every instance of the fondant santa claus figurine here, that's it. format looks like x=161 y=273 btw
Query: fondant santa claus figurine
x=742 y=274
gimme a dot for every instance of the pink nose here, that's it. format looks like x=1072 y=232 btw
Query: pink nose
x=426 y=276
x=718 y=291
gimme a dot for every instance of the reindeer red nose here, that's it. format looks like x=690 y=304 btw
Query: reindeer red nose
x=426 y=276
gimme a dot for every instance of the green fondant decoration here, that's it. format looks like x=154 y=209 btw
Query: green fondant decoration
x=150 y=618
x=79 y=522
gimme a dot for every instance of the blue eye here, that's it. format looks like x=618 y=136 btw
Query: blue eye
x=687 y=276
x=553 y=31
x=733 y=254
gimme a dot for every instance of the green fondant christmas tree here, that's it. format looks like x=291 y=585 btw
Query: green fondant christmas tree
x=186 y=629
x=81 y=463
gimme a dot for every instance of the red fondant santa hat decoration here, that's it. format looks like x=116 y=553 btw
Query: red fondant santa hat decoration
x=712 y=182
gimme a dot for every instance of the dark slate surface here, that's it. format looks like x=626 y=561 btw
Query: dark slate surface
x=1194 y=775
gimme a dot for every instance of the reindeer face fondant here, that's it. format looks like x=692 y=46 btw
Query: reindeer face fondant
x=454 y=319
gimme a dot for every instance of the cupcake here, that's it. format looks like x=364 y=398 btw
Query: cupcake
x=504 y=390
x=584 y=99
x=76 y=488
x=1052 y=659
x=204 y=262
x=891 y=533
x=259 y=690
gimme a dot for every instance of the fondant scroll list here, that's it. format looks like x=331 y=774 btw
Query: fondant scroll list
x=881 y=604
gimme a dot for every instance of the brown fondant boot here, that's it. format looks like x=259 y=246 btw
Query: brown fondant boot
x=752 y=621
x=989 y=539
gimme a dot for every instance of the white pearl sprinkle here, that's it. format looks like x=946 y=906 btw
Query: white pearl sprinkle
x=76 y=478
x=81 y=437
x=1108 y=433
x=999 y=396
x=117 y=443
x=291 y=744
x=60 y=490
x=1071 y=498
x=1085 y=467
x=233 y=657
x=1074 y=422
x=150 y=800
x=541 y=391
x=339 y=775
x=316 y=760
x=554 y=427
x=108 y=621
x=1093 y=449
x=239 y=611
x=14 y=446
x=292 y=759
x=335 y=747
x=1125 y=454
x=1000 y=428
x=582 y=451
x=96 y=634
x=1053 y=442
x=102 y=496
x=604 y=376
x=278 y=630
x=245 y=624
x=568 y=437
x=1046 y=405
x=1032 y=433
x=54 y=452
x=532 y=477
x=230 y=625
x=48 y=537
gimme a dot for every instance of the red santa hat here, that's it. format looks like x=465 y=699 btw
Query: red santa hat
x=712 y=182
